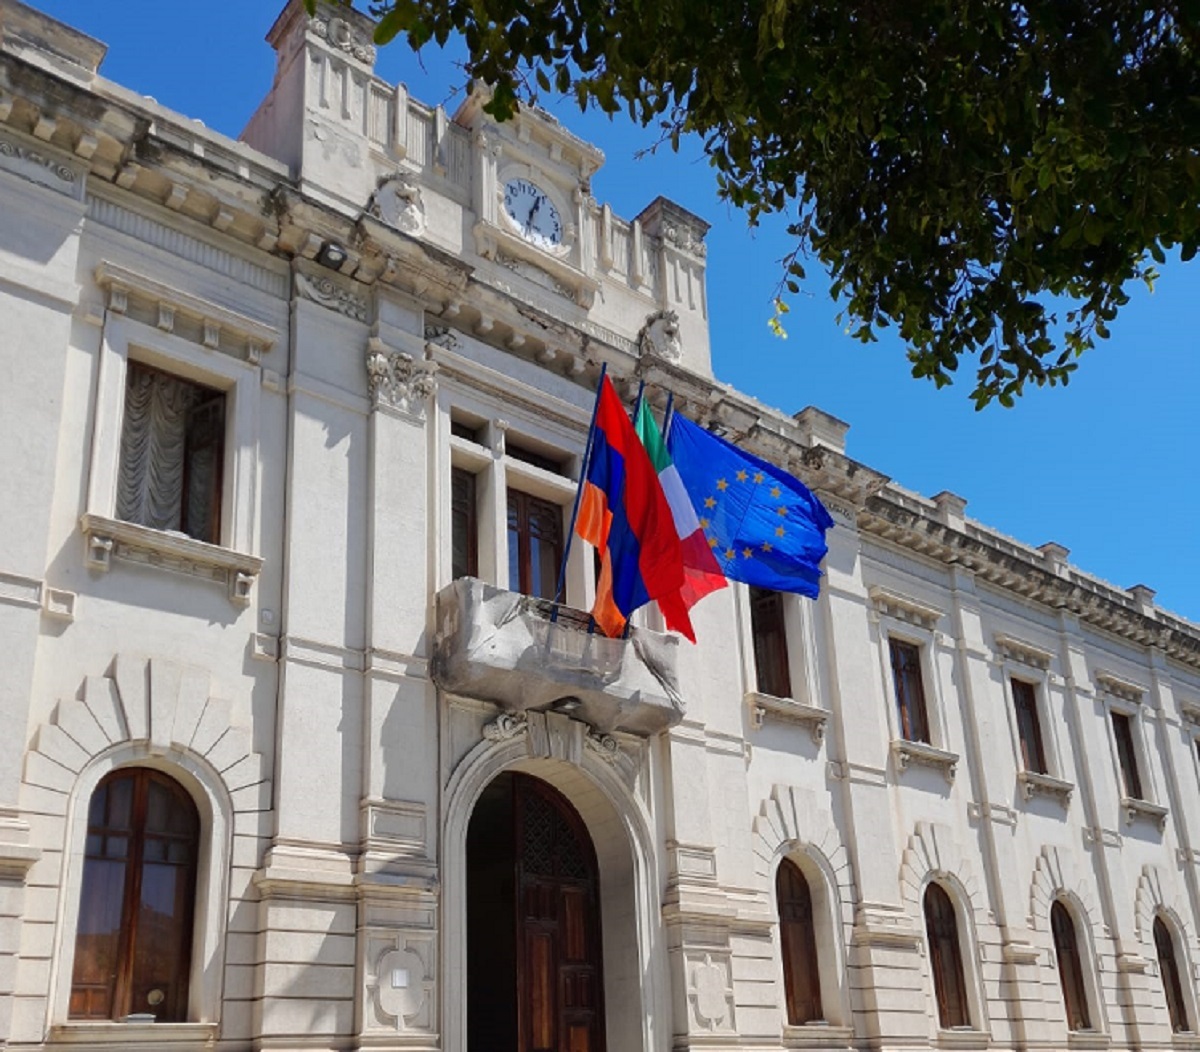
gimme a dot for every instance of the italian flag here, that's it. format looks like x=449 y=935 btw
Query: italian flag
x=701 y=572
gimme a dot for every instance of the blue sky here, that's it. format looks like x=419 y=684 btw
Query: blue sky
x=1106 y=466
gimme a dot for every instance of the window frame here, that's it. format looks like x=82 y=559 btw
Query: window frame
x=756 y=597
x=213 y=875
x=894 y=641
x=1185 y=1003
x=809 y=951
x=1036 y=691
x=1082 y=984
x=125 y=339
x=969 y=1006
x=523 y=585
x=141 y=778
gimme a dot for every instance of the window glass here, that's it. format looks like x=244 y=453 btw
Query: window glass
x=1127 y=755
x=770 y=643
x=1029 y=728
x=133 y=939
x=535 y=544
x=910 y=691
x=945 y=958
x=1070 y=970
x=464 y=529
x=172 y=453
x=1168 y=968
x=798 y=944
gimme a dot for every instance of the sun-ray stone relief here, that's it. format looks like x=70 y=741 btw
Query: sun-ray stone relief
x=1056 y=872
x=1157 y=892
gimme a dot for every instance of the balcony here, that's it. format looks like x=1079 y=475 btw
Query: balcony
x=509 y=649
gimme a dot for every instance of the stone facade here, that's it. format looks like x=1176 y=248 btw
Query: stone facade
x=346 y=278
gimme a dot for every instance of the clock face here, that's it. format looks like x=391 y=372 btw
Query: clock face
x=533 y=212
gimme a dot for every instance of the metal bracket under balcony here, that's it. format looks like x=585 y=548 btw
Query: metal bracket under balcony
x=509 y=649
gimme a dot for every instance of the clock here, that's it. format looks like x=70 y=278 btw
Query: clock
x=533 y=213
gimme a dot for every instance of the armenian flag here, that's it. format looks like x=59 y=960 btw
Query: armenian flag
x=624 y=514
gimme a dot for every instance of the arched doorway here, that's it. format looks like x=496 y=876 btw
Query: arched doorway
x=534 y=978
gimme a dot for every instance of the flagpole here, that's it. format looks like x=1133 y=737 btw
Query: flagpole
x=668 y=415
x=637 y=405
x=583 y=470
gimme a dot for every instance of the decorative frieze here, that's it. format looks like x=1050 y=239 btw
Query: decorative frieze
x=1012 y=649
x=395 y=379
x=904 y=608
x=339 y=33
x=329 y=294
x=1122 y=689
x=39 y=167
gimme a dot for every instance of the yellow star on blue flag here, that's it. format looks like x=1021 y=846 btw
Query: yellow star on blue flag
x=751 y=508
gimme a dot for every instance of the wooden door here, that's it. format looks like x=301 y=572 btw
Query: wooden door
x=559 y=981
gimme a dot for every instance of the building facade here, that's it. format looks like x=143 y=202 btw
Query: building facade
x=296 y=754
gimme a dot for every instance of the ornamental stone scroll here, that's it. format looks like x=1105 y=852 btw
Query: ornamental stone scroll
x=396 y=380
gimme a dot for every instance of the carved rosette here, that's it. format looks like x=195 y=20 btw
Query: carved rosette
x=395 y=379
x=505 y=727
x=332 y=296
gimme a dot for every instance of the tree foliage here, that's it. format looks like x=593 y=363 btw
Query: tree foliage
x=988 y=176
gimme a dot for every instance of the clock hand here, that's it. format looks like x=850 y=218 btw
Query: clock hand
x=532 y=212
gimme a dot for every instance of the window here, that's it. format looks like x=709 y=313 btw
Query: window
x=798 y=943
x=172 y=453
x=1127 y=754
x=535 y=544
x=770 y=643
x=1070 y=971
x=945 y=959
x=554 y=464
x=910 y=691
x=464 y=527
x=1029 y=728
x=1168 y=968
x=136 y=906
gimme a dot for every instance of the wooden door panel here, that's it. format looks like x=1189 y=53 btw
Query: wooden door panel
x=558 y=925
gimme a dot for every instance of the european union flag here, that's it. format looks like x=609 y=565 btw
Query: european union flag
x=763 y=525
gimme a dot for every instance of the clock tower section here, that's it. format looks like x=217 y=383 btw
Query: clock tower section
x=532 y=197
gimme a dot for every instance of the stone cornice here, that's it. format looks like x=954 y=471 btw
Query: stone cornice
x=907 y=521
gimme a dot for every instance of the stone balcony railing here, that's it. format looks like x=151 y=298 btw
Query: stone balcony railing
x=510 y=649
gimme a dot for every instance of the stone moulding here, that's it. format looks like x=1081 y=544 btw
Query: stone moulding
x=767 y=706
x=918 y=754
x=904 y=608
x=1019 y=650
x=1034 y=784
x=1118 y=687
x=501 y=647
x=111 y=538
x=1152 y=812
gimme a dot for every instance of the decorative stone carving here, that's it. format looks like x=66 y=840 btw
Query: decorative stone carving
x=38 y=168
x=711 y=994
x=686 y=239
x=395 y=379
x=505 y=727
x=603 y=744
x=534 y=274
x=341 y=35
x=332 y=296
x=1013 y=649
x=1033 y=784
x=660 y=336
x=441 y=336
x=921 y=755
x=403 y=987
x=904 y=608
x=787 y=710
x=397 y=202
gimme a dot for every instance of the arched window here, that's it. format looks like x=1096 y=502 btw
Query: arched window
x=1070 y=972
x=801 y=977
x=136 y=905
x=945 y=959
x=1168 y=968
